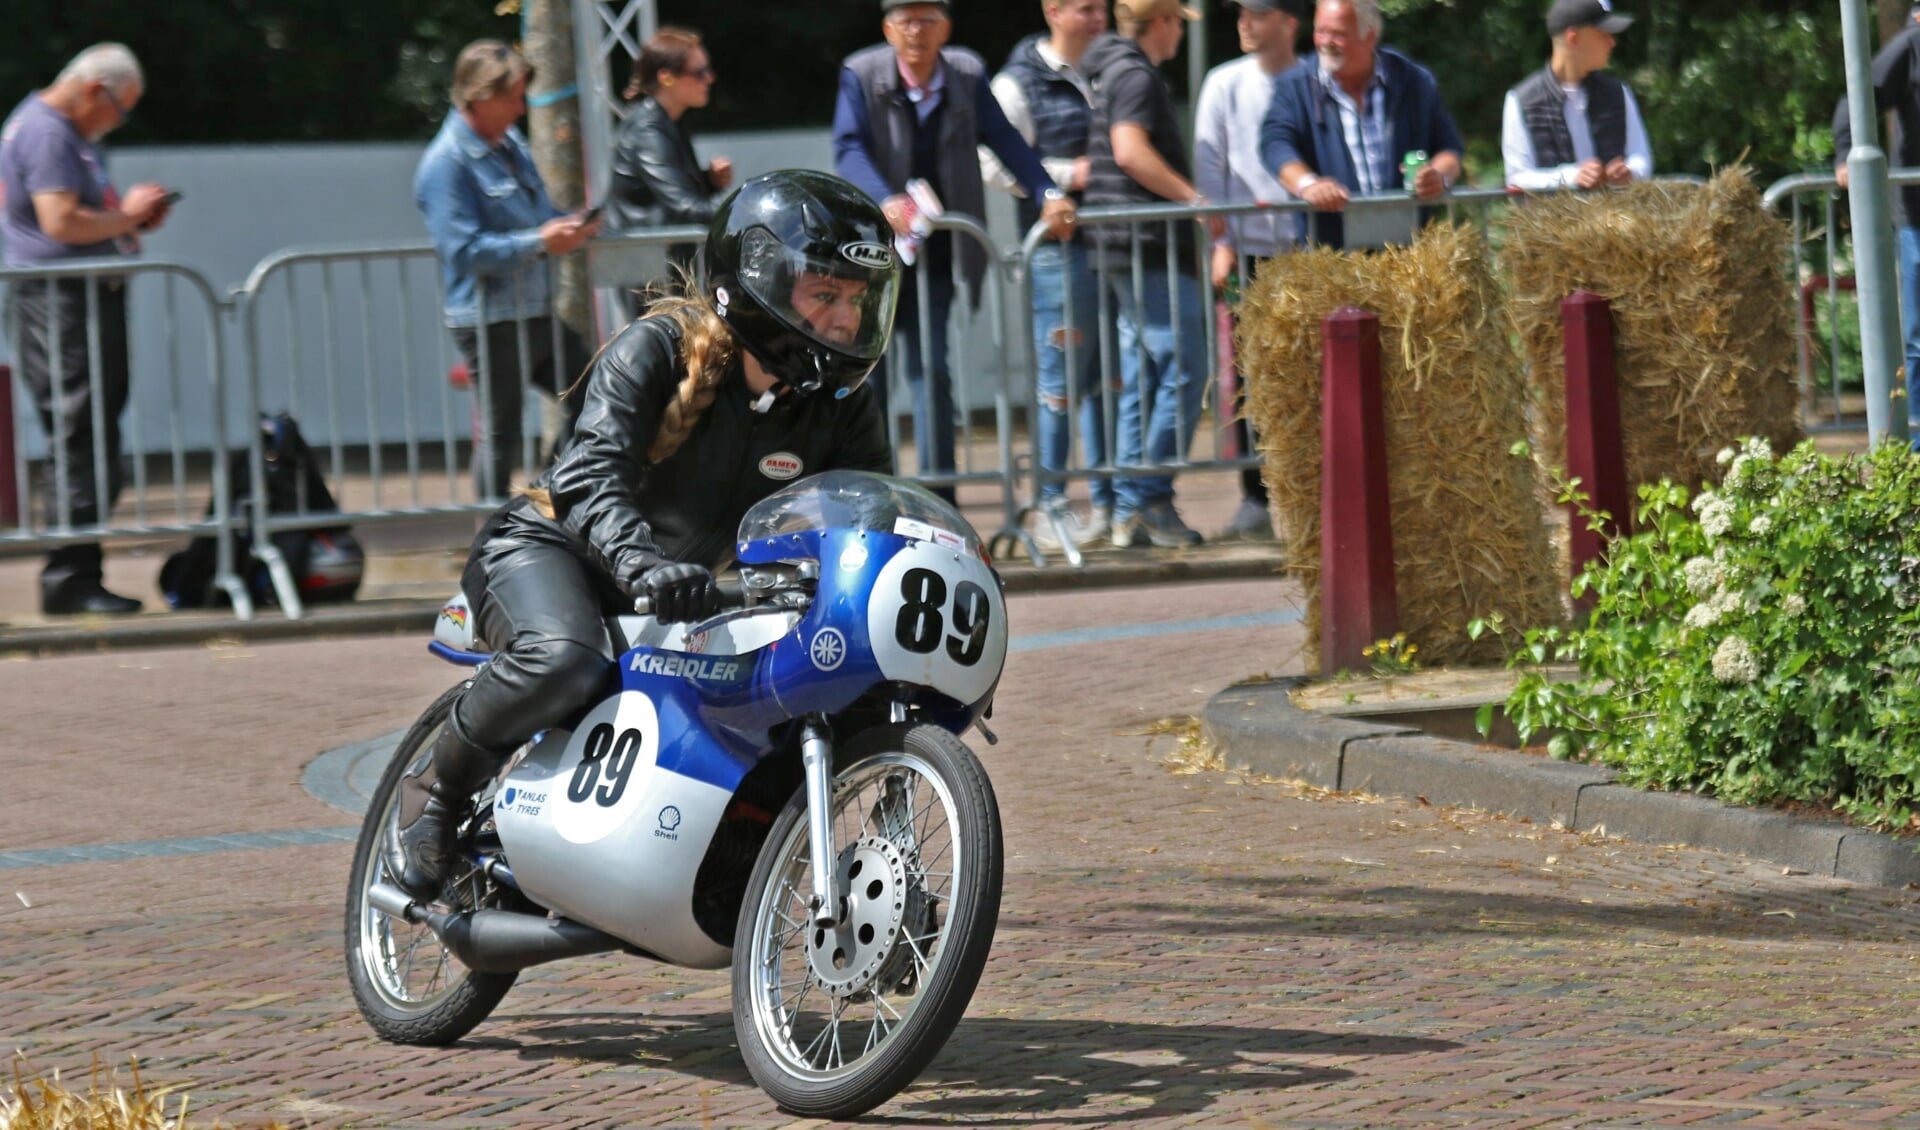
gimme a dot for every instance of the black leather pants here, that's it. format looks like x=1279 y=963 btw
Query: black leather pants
x=544 y=611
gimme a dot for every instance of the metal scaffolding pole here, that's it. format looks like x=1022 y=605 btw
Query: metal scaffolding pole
x=1880 y=345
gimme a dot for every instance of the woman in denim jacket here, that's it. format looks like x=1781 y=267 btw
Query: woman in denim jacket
x=493 y=230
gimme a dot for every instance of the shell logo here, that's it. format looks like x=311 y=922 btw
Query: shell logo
x=781 y=465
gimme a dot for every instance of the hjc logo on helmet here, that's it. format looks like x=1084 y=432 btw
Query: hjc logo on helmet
x=870 y=255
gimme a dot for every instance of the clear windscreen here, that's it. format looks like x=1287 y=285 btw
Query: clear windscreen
x=843 y=299
x=857 y=500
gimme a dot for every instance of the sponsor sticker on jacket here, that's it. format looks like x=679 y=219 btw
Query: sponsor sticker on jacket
x=781 y=465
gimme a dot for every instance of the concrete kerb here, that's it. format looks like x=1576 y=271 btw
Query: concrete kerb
x=376 y=617
x=1257 y=727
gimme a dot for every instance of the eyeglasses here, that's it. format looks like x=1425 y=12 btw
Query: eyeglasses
x=120 y=110
x=916 y=23
x=704 y=74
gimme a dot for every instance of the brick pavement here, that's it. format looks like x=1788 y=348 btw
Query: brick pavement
x=1194 y=950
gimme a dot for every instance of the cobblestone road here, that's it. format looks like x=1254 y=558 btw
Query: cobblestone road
x=1175 y=950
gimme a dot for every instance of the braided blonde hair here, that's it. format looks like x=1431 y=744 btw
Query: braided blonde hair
x=708 y=347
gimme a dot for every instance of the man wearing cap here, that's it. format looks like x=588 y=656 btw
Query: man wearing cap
x=1139 y=156
x=1344 y=120
x=1896 y=90
x=1573 y=125
x=1049 y=101
x=913 y=108
x=1234 y=101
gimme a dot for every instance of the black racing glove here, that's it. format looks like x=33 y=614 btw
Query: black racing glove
x=681 y=591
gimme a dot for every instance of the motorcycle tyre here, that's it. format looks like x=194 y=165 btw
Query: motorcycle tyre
x=471 y=1001
x=973 y=915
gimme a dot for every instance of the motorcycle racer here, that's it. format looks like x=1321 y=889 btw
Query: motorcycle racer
x=698 y=409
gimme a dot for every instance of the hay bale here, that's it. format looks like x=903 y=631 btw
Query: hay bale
x=1703 y=317
x=1468 y=533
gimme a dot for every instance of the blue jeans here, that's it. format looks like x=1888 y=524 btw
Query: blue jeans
x=932 y=399
x=1054 y=266
x=1163 y=372
x=1910 y=325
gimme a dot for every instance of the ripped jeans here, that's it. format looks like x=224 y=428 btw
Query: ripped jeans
x=1058 y=268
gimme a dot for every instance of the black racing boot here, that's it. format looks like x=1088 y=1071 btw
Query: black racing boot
x=431 y=806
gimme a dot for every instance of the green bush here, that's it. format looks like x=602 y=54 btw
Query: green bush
x=1759 y=642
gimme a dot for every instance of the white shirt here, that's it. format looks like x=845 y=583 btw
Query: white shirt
x=1013 y=103
x=1226 y=156
x=1516 y=143
x=1365 y=130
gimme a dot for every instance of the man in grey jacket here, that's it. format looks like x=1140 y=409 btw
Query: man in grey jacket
x=911 y=109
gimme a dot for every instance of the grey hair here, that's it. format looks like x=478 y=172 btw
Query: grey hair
x=110 y=63
x=1366 y=14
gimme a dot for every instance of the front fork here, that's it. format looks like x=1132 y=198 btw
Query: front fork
x=816 y=759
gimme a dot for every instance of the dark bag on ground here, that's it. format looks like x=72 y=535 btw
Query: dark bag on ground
x=326 y=563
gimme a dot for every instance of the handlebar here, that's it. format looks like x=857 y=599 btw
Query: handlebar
x=733 y=594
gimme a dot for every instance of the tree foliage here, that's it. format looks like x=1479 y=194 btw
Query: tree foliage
x=1716 y=78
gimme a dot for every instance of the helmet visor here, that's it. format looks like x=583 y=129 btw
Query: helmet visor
x=843 y=299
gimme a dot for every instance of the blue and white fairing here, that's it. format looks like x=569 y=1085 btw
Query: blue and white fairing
x=607 y=822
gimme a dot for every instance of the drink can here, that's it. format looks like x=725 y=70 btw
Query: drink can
x=1410 y=166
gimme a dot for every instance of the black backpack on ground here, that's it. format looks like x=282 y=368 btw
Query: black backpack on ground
x=327 y=563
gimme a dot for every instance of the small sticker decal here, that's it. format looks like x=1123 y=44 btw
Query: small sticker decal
x=721 y=296
x=781 y=465
x=871 y=255
x=829 y=649
x=455 y=614
x=669 y=824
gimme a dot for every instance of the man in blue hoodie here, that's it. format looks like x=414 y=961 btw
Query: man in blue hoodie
x=1343 y=121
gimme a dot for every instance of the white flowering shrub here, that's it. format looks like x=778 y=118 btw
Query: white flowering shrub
x=1759 y=642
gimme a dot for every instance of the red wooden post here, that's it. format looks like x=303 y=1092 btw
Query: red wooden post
x=9 y=481
x=1593 y=425
x=1358 y=604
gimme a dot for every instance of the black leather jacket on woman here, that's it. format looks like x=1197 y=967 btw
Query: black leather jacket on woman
x=626 y=515
x=657 y=180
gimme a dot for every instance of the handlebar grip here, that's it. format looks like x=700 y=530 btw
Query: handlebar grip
x=733 y=594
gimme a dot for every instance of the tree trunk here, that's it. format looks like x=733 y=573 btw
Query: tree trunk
x=1893 y=16
x=553 y=117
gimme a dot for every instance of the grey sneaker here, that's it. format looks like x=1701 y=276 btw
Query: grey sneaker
x=1251 y=522
x=1161 y=524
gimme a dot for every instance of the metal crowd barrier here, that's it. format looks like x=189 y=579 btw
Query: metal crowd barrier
x=1820 y=222
x=1129 y=286
x=115 y=298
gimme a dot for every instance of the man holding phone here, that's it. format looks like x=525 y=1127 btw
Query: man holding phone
x=56 y=203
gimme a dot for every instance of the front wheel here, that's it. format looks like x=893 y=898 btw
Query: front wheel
x=833 y=1023
x=409 y=988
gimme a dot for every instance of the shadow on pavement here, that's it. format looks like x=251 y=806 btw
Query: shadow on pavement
x=1070 y=1070
x=1309 y=905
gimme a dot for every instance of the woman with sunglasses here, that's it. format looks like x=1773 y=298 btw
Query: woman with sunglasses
x=657 y=180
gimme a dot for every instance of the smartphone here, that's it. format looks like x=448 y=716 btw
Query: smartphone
x=591 y=214
x=172 y=198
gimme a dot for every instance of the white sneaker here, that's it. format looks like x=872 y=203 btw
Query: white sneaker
x=1052 y=517
x=1098 y=526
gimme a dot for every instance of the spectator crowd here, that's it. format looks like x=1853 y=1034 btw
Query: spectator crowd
x=1081 y=114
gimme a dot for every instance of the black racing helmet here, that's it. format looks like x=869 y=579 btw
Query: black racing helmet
x=801 y=265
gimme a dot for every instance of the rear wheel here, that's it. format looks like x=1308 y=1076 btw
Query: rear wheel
x=833 y=1023
x=410 y=989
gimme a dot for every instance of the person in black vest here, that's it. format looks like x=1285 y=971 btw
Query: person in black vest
x=1573 y=125
x=1139 y=156
x=1050 y=102
x=1896 y=90
x=913 y=108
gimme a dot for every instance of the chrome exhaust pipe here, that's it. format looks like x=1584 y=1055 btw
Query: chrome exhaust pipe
x=393 y=902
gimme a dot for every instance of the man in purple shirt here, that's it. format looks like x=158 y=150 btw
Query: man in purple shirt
x=913 y=108
x=56 y=203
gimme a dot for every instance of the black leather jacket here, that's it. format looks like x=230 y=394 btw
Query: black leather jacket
x=657 y=180
x=627 y=515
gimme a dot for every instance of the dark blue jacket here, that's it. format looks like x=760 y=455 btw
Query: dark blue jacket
x=1303 y=124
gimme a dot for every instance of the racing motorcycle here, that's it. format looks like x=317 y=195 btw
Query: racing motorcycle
x=780 y=788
